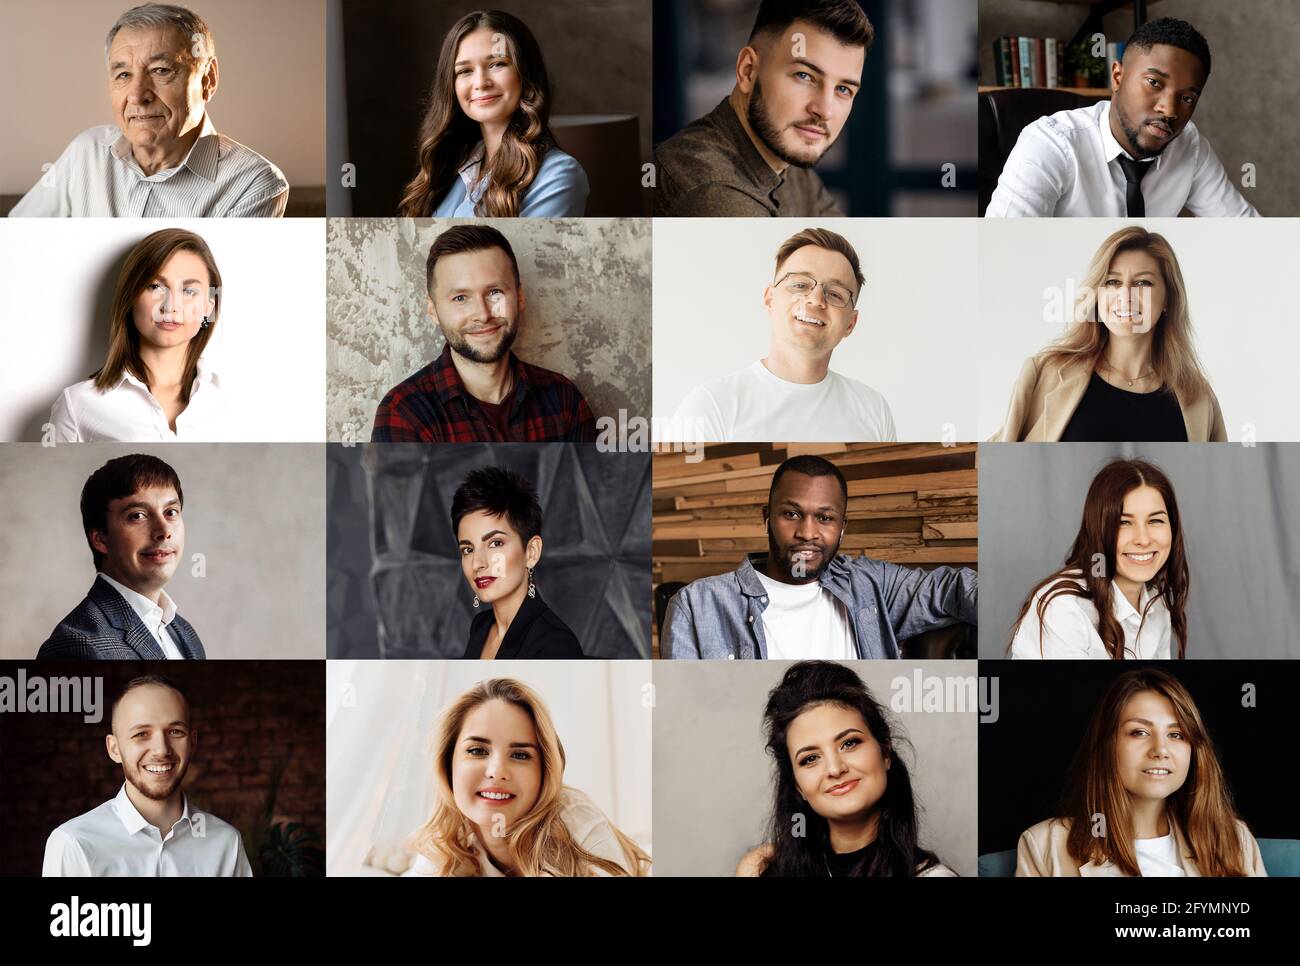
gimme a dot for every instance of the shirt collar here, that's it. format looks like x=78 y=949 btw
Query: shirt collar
x=201 y=159
x=1110 y=148
x=447 y=382
x=131 y=818
x=1123 y=610
x=751 y=586
x=469 y=171
x=145 y=609
x=752 y=163
x=206 y=372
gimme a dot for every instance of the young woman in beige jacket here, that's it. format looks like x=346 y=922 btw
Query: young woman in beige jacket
x=1126 y=370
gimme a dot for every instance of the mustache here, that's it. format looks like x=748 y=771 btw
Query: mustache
x=1160 y=122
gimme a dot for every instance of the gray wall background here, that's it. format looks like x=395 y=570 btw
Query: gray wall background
x=396 y=587
x=713 y=776
x=254 y=510
x=1239 y=113
x=1239 y=527
x=587 y=283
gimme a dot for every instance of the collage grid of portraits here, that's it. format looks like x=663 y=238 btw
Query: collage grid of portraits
x=684 y=360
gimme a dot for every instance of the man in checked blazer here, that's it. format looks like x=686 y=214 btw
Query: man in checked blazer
x=131 y=512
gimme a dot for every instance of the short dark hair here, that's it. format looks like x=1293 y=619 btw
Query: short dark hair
x=501 y=493
x=144 y=680
x=1172 y=33
x=120 y=478
x=808 y=466
x=843 y=19
x=822 y=238
x=466 y=238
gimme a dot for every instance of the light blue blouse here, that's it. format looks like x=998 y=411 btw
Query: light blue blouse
x=559 y=190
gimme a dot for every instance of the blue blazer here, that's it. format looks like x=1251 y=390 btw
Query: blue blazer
x=103 y=627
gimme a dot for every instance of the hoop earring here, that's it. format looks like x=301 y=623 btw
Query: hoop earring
x=476 y=600
x=532 y=587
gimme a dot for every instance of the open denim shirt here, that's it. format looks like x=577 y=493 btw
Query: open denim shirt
x=722 y=616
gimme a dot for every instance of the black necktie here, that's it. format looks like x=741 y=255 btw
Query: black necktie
x=1133 y=174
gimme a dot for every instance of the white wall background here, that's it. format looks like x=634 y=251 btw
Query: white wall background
x=1236 y=272
x=271 y=95
x=915 y=340
x=380 y=720
x=56 y=289
x=255 y=511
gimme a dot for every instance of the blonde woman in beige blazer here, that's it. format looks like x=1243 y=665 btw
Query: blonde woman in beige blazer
x=1132 y=340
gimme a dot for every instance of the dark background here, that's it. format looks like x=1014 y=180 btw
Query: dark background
x=252 y=718
x=597 y=55
x=395 y=587
x=1045 y=707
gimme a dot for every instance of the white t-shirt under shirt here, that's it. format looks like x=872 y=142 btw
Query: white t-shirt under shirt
x=1158 y=857
x=804 y=621
x=754 y=405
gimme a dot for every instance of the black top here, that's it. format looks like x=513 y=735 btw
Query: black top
x=840 y=865
x=1107 y=414
x=535 y=632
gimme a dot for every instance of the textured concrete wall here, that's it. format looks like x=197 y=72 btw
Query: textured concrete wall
x=588 y=312
x=1239 y=113
x=595 y=567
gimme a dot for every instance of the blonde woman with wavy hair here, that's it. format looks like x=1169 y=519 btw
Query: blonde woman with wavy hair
x=502 y=808
x=1145 y=796
x=1126 y=369
x=485 y=146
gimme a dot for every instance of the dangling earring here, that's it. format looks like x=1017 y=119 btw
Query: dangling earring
x=476 y=600
x=204 y=324
x=532 y=587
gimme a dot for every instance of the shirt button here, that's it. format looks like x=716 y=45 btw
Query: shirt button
x=751 y=619
x=763 y=599
x=731 y=657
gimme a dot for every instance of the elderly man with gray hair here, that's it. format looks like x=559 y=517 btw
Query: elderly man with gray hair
x=163 y=158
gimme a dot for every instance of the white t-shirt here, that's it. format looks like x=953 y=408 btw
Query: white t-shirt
x=805 y=621
x=1069 y=627
x=754 y=405
x=1158 y=857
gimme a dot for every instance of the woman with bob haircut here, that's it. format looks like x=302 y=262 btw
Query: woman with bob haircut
x=502 y=808
x=498 y=526
x=485 y=147
x=155 y=384
x=1145 y=795
x=838 y=769
x=1122 y=593
x=1126 y=370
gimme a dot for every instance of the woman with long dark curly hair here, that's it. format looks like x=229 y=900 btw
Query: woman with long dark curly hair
x=843 y=801
x=486 y=148
x=1123 y=590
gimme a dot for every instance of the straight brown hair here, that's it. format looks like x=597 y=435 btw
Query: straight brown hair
x=142 y=266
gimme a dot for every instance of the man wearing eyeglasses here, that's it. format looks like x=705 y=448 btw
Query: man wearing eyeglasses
x=791 y=394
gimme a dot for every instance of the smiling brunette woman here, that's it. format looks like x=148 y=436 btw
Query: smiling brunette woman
x=486 y=147
x=155 y=384
x=1123 y=590
x=502 y=808
x=839 y=781
x=1127 y=369
x=1145 y=796
x=498 y=525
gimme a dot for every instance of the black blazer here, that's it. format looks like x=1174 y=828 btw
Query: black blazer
x=535 y=632
x=103 y=627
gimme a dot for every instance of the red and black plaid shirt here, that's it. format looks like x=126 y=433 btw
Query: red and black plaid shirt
x=433 y=406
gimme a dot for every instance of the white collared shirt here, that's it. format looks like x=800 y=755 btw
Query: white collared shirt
x=129 y=413
x=1069 y=627
x=97 y=176
x=116 y=840
x=1066 y=165
x=154 y=617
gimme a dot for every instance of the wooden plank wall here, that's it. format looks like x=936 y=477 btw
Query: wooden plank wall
x=911 y=503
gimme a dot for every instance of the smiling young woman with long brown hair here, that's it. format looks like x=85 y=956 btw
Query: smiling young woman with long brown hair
x=1123 y=590
x=1145 y=795
x=485 y=146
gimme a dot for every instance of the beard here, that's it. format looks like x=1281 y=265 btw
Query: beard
x=779 y=558
x=461 y=346
x=760 y=122
x=147 y=786
x=1131 y=132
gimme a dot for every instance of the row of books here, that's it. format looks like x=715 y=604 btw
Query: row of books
x=1038 y=61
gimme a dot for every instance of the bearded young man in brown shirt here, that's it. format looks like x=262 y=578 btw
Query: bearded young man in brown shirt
x=753 y=154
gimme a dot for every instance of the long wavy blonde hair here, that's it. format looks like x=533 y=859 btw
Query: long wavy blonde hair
x=540 y=843
x=448 y=137
x=1173 y=356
